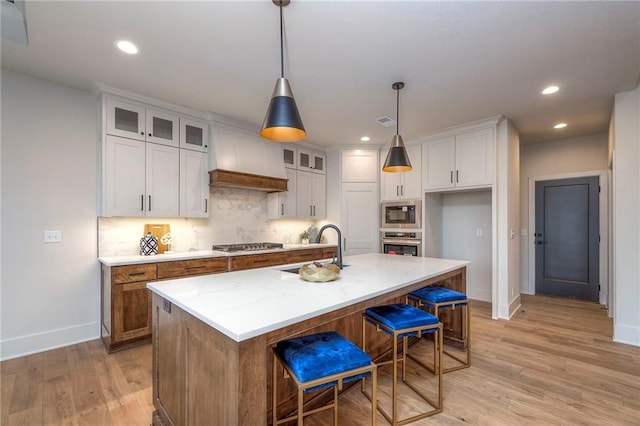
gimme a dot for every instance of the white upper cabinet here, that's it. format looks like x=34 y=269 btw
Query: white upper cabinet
x=403 y=185
x=162 y=181
x=465 y=160
x=161 y=127
x=123 y=177
x=130 y=120
x=140 y=179
x=290 y=157
x=194 y=187
x=359 y=165
x=194 y=134
x=311 y=193
x=282 y=205
x=126 y=119
x=154 y=160
x=312 y=161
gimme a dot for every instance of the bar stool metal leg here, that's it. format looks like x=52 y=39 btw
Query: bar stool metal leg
x=383 y=319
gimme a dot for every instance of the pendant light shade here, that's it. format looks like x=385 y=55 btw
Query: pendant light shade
x=282 y=122
x=397 y=157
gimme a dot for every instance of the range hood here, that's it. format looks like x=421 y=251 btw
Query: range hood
x=241 y=159
x=230 y=179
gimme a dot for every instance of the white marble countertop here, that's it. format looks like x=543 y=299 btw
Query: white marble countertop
x=248 y=303
x=135 y=259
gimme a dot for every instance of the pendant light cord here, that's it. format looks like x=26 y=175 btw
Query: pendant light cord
x=397 y=111
x=281 y=45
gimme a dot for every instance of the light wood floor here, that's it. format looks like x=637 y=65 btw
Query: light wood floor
x=552 y=364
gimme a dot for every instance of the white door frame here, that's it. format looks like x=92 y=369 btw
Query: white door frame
x=604 y=228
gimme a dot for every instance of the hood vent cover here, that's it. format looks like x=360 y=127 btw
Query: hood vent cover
x=230 y=179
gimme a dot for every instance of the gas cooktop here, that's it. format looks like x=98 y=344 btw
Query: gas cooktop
x=246 y=246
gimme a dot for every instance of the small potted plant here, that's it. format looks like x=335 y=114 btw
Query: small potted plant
x=304 y=237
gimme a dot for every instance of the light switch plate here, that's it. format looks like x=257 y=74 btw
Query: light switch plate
x=52 y=236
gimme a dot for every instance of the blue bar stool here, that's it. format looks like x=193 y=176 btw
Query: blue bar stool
x=436 y=299
x=317 y=362
x=402 y=321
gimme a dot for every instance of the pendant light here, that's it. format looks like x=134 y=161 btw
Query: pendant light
x=397 y=158
x=282 y=122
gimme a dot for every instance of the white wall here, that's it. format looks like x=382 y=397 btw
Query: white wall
x=626 y=212
x=50 y=292
x=462 y=215
x=508 y=223
x=584 y=153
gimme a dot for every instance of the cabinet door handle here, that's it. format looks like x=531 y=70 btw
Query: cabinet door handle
x=149 y=202
x=401 y=189
x=206 y=205
x=451 y=177
x=282 y=209
x=398 y=190
x=314 y=210
x=310 y=210
x=142 y=202
x=150 y=134
x=457 y=176
x=142 y=133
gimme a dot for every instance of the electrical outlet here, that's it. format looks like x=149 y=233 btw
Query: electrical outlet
x=52 y=236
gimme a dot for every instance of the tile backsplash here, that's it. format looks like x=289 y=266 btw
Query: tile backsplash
x=236 y=215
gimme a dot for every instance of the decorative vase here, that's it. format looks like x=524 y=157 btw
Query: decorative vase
x=148 y=245
x=305 y=241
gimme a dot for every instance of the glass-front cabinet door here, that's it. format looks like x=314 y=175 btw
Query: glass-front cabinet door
x=162 y=128
x=313 y=161
x=289 y=157
x=125 y=119
x=194 y=134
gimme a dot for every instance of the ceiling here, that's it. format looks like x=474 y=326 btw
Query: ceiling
x=460 y=61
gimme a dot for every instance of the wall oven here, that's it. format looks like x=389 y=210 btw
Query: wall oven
x=401 y=214
x=401 y=243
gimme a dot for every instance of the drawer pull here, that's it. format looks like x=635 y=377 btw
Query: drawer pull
x=195 y=267
x=133 y=274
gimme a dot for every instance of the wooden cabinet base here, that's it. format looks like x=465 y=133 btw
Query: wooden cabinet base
x=200 y=374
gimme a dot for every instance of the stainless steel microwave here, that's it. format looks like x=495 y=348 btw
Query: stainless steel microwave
x=401 y=214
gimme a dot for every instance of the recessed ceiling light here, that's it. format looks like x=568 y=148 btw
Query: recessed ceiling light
x=127 y=47
x=560 y=126
x=549 y=90
x=365 y=139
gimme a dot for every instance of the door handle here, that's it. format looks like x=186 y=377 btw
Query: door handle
x=206 y=205
x=457 y=176
x=541 y=242
x=142 y=202
x=451 y=177
x=149 y=202
x=281 y=209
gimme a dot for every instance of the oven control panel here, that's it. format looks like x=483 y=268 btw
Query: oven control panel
x=401 y=235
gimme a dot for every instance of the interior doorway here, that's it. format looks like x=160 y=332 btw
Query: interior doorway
x=529 y=247
x=567 y=238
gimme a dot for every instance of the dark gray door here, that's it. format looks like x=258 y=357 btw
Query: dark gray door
x=567 y=238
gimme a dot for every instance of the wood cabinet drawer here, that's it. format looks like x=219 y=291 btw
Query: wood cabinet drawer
x=134 y=273
x=304 y=255
x=251 y=261
x=329 y=252
x=185 y=268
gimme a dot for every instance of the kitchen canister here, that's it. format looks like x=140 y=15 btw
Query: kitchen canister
x=148 y=245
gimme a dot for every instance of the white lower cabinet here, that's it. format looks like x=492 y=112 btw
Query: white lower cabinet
x=139 y=179
x=359 y=220
x=282 y=205
x=311 y=193
x=194 y=187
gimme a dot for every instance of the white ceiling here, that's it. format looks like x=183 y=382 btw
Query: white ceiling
x=460 y=61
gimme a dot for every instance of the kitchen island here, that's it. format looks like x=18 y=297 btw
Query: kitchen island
x=212 y=334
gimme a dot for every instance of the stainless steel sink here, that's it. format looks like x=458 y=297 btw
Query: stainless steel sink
x=295 y=270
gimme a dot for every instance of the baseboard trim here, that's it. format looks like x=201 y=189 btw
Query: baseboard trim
x=626 y=334
x=53 y=339
x=507 y=311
